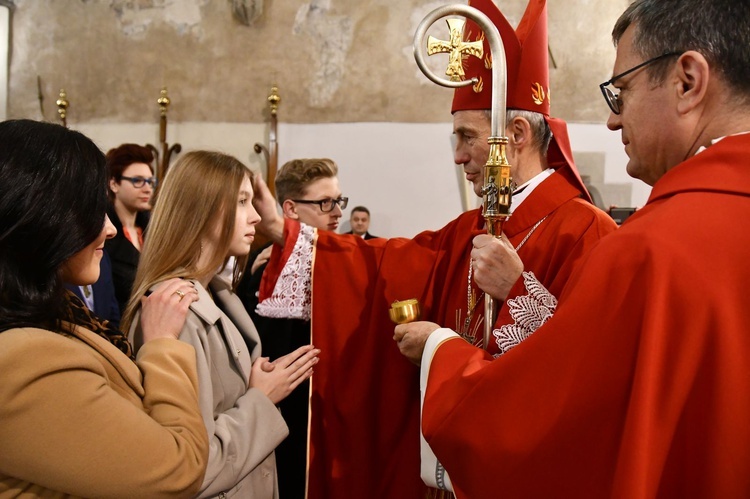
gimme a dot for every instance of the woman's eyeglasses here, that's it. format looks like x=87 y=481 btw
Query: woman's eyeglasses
x=139 y=182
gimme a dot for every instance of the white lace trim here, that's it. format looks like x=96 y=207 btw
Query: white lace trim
x=528 y=312
x=291 y=298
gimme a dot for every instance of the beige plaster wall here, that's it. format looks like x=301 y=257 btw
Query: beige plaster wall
x=334 y=60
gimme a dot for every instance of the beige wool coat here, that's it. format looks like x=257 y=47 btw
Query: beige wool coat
x=75 y=420
x=244 y=426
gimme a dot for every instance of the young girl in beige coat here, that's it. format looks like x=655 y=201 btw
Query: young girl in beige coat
x=202 y=217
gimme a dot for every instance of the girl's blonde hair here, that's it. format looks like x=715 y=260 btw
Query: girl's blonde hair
x=199 y=192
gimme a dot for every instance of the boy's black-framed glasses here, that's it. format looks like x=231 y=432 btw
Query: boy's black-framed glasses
x=326 y=205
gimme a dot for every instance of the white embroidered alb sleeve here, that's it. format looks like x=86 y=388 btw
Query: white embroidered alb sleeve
x=528 y=312
x=291 y=295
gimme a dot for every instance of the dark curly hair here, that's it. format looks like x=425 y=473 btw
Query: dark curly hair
x=53 y=199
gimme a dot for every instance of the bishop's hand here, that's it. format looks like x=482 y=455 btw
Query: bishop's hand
x=497 y=266
x=272 y=223
x=411 y=338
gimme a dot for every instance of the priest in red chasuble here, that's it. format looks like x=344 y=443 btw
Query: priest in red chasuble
x=639 y=384
x=365 y=398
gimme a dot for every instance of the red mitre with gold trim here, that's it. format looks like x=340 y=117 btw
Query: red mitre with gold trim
x=527 y=59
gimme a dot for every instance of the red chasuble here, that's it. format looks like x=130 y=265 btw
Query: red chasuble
x=364 y=428
x=639 y=386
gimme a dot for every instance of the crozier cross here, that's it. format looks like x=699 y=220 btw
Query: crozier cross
x=456 y=48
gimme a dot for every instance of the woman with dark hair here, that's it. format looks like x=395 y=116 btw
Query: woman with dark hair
x=131 y=187
x=81 y=415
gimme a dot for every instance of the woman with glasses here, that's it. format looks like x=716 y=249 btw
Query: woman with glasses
x=204 y=216
x=131 y=187
x=82 y=416
x=308 y=191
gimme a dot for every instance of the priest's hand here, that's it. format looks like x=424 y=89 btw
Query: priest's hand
x=262 y=258
x=272 y=223
x=497 y=266
x=411 y=338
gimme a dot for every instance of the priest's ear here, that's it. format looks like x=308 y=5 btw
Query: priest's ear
x=691 y=81
x=519 y=131
x=289 y=208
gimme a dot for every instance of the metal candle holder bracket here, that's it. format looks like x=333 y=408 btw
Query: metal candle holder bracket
x=163 y=159
x=271 y=153
x=497 y=179
x=62 y=107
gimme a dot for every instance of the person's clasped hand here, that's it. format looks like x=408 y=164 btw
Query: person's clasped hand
x=277 y=379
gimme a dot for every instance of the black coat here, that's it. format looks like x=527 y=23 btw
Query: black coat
x=367 y=235
x=124 y=256
x=279 y=337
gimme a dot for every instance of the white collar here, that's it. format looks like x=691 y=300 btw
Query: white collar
x=714 y=141
x=527 y=188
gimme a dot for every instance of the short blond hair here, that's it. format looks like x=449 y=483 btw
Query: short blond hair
x=294 y=177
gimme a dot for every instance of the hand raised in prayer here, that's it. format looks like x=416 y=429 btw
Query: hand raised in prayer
x=277 y=379
x=411 y=338
x=163 y=312
x=271 y=223
x=497 y=266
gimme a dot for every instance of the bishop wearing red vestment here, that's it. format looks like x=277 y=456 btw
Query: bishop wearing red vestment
x=365 y=398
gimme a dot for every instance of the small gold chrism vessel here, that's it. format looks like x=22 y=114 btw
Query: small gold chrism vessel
x=405 y=311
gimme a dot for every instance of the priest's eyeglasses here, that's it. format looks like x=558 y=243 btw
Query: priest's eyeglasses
x=613 y=99
x=139 y=182
x=326 y=205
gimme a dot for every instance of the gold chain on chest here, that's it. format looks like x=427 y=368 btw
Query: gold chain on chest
x=472 y=300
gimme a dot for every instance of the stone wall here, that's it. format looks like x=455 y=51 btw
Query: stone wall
x=334 y=60
x=350 y=89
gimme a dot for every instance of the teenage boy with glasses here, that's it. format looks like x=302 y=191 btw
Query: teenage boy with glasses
x=308 y=191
